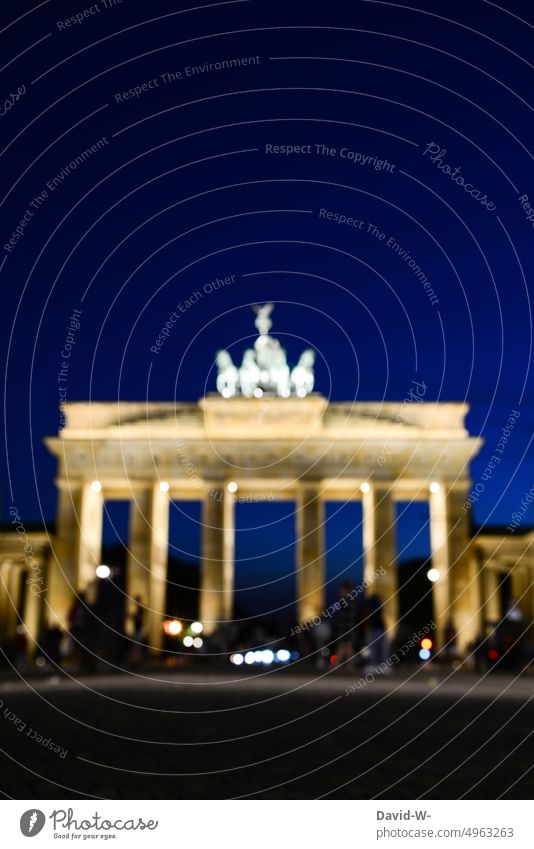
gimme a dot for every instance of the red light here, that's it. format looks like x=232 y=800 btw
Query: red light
x=426 y=643
x=493 y=654
x=333 y=658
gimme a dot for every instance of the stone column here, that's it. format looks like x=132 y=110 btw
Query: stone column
x=63 y=570
x=159 y=549
x=4 y=597
x=77 y=548
x=310 y=553
x=528 y=610
x=14 y=577
x=90 y=536
x=9 y=587
x=522 y=588
x=33 y=606
x=531 y=593
x=380 y=550
x=490 y=594
x=218 y=552
x=456 y=594
x=139 y=550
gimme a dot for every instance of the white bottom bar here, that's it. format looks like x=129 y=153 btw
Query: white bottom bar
x=264 y=824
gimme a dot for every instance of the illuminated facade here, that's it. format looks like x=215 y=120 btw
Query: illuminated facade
x=265 y=436
x=301 y=449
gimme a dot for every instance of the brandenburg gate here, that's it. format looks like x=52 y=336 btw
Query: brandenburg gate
x=265 y=433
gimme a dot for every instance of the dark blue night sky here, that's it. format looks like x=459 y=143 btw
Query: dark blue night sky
x=182 y=191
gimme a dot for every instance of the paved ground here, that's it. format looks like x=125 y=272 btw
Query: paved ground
x=284 y=735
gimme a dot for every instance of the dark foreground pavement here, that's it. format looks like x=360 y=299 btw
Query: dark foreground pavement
x=284 y=735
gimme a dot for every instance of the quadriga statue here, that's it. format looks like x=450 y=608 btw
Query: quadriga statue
x=228 y=376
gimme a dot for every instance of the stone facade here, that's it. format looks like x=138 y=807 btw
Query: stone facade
x=301 y=449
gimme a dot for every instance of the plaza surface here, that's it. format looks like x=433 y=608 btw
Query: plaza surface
x=267 y=734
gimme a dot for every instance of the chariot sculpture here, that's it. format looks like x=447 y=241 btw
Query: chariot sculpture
x=264 y=369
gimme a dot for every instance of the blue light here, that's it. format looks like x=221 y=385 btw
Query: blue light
x=424 y=654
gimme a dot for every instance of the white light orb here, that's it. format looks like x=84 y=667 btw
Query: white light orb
x=174 y=628
x=96 y=486
x=198 y=642
x=258 y=656
x=103 y=571
x=434 y=487
x=164 y=486
x=258 y=393
x=365 y=487
x=267 y=656
x=197 y=627
x=236 y=659
x=433 y=575
x=226 y=392
x=188 y=642
x=249 y=657
x=283 y=655
x=424 y=654
x=301 y=393
x=231 y=486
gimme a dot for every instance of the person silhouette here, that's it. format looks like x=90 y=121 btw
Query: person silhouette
x=376 y=635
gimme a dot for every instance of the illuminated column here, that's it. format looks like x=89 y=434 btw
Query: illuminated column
x=4 y=598
x=520 y=576
x=310 y=553
x=457 y=591
x=531 y=593
x=528 y=611
x=90 y=534
x=138 y=565
x=63 y=572
x=33 y=605
x=12 y=611
x=77 y=547
x=380 y=549
x=491 y=601
x=9 y=588
x=218 y=552
x=158 y=551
